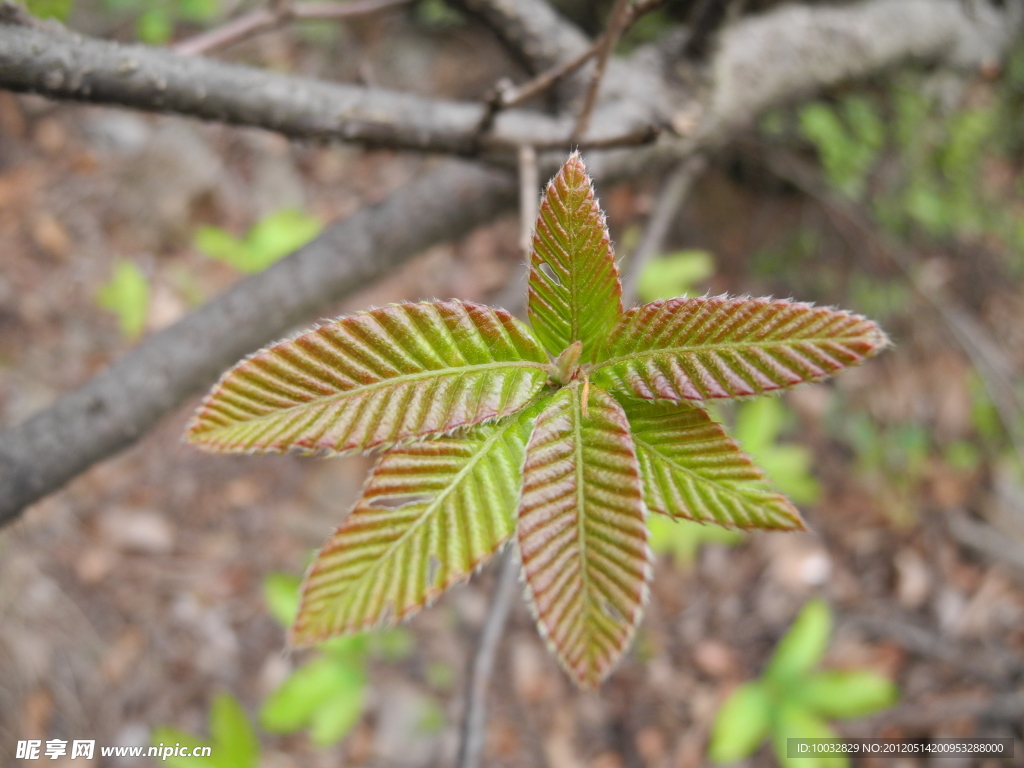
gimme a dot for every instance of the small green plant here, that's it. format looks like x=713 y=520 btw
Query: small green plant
x=267 y=241
x=848 y=138
x=155 y=20
x=674 y=275
x=127 y=296
x=233 y=742
x=326 y=695
x=561 y=435
x=793 y=700
x=758 y=425
x=50 y=9
x=682 y=538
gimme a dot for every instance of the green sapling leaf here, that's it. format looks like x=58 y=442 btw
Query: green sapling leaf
x=847 y=693
x=793 y=721
x=236 y=742
x=803 y=645
x=741 y=724
x=340 y=712
x=127 y=295
x=674 y=275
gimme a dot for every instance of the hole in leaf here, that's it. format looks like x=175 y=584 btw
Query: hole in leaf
x=387 y=616
x=613 y=612
x=433 y=570
x=398 y=500
x=549 y=273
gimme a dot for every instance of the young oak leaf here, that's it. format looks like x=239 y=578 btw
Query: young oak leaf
x=719 y=347
x=692 y=469
x=430 y=513
x=582 y=533
x=568 y=455
x=374 y=379
x=573 y=291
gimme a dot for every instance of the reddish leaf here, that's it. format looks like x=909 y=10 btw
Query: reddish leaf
x=718 y=347
x=692 y=469
x=582 y=533
x=430 y=513
x=573 y=292
x=374 y=379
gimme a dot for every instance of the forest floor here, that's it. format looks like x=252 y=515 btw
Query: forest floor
x=130 y=598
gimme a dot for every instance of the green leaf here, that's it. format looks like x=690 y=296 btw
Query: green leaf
x=741 y=724
x=693 y=470
x=718 y=347
x=127 y=295
x=292 y=706
x=338 y=714
x=281 y=593
x=51 y=9
x=374 y=379
x=674 y=275
x=223 y=246
x=573 y=292
x=803 y=645
x=843 y=694
x=155 y=26
x=581 y=531
x=236 y=743
x=279 y=234
x=795 y=722
x=681 y=538
x=431 y=512
x=758 y=424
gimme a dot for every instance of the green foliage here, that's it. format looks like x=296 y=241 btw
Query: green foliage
x=848 y=140
x=127 y=296
x=682 y=538
x=932 y=154
x=233 y=743
x=271 y=238
x=561 y=434
x=155 y=20
x=51 y=9
x=674 y=275
x=793 y=700
x=437 y=14
x=758 y=425
x=327 y=694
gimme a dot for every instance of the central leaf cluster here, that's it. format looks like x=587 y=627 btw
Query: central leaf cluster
x=563 y=435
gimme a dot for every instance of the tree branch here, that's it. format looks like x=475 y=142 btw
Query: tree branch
x=617 y=22
x=116 y=407
x=532 y=29
x=68 y=66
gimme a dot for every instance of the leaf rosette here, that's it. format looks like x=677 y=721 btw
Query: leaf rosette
x=561 y=435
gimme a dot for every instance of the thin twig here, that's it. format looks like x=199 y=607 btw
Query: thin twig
x=471 y=742
x=670 y=200
x=267 y=19
x=529 y=184
x=505 y=95
x=616 y=24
